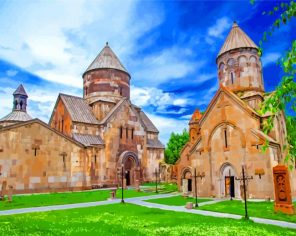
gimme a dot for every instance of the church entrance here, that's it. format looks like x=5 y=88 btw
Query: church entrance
x=186 y=181
x=131 y=168
x=227 y=181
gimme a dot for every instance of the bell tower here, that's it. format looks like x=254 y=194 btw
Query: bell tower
x=20 y=99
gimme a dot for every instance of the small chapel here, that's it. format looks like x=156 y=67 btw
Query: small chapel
x=228 y=136
x=89 y=142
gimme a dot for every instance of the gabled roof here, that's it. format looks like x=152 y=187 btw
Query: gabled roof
x=20 y=91
x=112 y=111
x=37 y=121
x=106 y=60
x=236 y=38
x=78 y=109
x=154 y=143
x=150 y=127
x=16 y=116
x=235 y=98
x=88 y=140
x=264 y=136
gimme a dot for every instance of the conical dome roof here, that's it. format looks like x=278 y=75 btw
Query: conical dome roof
x=237 y=38
x=20 y=91
x=196 y=116
x=106 y=60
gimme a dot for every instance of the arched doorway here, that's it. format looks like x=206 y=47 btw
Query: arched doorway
x=186 y=181
x=228 y=185
x=131 y=167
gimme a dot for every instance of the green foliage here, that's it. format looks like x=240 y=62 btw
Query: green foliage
x=129 y=219
x=174 y=146
x=284 y=97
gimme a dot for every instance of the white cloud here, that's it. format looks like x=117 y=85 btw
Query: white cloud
x=170 y=63
x=167 y=126
x=68 y=36
x=219 y=27
x=156 y=97
x=11 y=73
x=270 y=58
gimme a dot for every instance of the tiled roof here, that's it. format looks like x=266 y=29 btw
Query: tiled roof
x=237 y=38
x=150 y=127
x=16 y=116
x=78 y=109
x=20 y=91
x=88 y=140
x=106 y=59
x=154 y=143
x=264 y=136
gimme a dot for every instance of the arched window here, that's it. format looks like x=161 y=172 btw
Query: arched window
x=232 y=77
x=253 y=59
x=15 y=104
x=242 y=60
x=21 y=104
x=85 y=89
x=231 y=62
x=221 y=66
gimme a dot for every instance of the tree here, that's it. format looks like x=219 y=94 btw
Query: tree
x=284 y=97
x=174 y=146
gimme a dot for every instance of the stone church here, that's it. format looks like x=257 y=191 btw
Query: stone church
x=88 y=139
x=229 y=135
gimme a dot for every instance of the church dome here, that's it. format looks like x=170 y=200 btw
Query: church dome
x=106 y=59
x=236 y=38
x=106 y=78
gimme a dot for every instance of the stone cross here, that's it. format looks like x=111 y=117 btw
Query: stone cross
x=9 y=194
x=3 y=189
x=222 y=104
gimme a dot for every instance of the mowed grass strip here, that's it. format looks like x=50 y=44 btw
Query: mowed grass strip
x=128 y=219
x=177 y=200
x=36 y=200
x=255 y=209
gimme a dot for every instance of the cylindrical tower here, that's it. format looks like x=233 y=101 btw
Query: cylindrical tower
x=106 y=79
x=239 y=66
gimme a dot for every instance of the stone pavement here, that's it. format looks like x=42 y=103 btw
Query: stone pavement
x=141 y=202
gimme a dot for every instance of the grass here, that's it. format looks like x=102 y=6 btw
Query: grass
x=127 y=219
x=36 y=200
x=255 y=209
x=177 y=200
x=162 y=187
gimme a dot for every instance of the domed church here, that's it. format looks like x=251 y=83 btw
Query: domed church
x=87 y=140
x=228 y=136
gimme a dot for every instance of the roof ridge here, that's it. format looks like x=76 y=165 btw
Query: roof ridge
x=69 y=95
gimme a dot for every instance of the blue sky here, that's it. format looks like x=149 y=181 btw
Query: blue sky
x=169 y=48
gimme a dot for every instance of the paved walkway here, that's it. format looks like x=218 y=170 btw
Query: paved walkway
x=141 y=202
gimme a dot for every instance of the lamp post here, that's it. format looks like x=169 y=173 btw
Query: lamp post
x=244 y=179
x=200 y=175
x=122 y=201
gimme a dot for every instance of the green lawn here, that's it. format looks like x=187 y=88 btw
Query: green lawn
x=127 y=219
x=161 y=187
x=256 y=209
x=36 y=200
x=177 y=200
